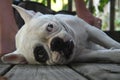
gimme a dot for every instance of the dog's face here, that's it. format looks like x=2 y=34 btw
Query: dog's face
x=43 y=39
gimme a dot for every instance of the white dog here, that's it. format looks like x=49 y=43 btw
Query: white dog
x=60 y=39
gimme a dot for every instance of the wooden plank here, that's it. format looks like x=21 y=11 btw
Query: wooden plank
x=38 y=72
x=98 y=71
x=4 y=68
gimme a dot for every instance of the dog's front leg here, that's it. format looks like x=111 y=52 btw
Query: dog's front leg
x=101 y=38
x=100 y=55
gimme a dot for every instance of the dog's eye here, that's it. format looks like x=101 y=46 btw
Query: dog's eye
x=49 y=27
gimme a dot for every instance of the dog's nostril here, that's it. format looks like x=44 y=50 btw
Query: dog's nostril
x=40 y=54
x=57 y=44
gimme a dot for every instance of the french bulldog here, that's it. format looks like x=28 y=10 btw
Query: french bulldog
x=60 y=39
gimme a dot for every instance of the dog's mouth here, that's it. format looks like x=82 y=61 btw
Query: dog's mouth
x=62 y=48
x=60 y=51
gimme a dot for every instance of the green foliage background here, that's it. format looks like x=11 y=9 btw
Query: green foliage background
x=101 y=6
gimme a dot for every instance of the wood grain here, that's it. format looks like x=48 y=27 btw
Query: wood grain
x=4 y=68
x=98 y=71
x=37 y=72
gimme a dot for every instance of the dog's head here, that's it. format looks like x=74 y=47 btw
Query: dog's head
x=43 y=39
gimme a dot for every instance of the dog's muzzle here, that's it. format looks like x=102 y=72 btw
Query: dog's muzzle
x=64 y=48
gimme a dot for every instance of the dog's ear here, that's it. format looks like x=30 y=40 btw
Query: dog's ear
x=25 y=14
x=13 y=58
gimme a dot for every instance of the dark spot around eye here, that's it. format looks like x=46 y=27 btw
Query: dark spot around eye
x=40 y=54
x=49 y=27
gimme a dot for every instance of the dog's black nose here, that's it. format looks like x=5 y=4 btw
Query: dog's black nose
x=57 y=44
x=40 y=54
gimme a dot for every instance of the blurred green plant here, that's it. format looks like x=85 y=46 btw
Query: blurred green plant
x=117 y=24
x=56 y=5
x=102 y=4
x=65 y=6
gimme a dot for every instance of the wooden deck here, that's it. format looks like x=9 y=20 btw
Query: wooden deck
x=79 y=71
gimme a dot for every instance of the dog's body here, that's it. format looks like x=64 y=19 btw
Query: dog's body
x=60 y=39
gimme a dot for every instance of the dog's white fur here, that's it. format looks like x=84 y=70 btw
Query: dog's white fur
x=84 y=36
